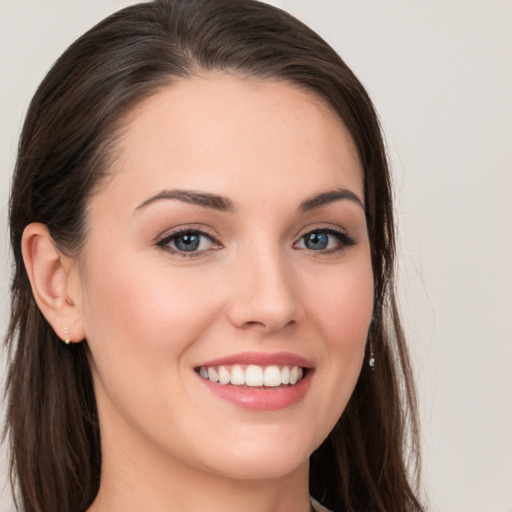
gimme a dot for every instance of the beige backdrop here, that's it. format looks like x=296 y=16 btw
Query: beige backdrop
x=440 y=74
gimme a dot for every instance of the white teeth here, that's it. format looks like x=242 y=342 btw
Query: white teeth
x=271 y=376
x=237 y=375
x=253 y=376
x=224 y=375
x=213 y=375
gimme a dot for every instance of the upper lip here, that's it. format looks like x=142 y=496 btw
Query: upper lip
x=261 y=359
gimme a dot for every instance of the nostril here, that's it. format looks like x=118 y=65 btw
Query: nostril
x=256 y=325
x=272 y=325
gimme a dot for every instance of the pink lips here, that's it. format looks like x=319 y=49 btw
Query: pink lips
x=262 y=399
x=261 y=359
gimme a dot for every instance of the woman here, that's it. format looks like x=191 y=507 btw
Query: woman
x=201 y=212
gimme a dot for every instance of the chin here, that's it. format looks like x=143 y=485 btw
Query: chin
x=260 y=469
x=269 y=458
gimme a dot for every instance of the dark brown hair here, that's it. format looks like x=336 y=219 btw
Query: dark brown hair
x=67 y=144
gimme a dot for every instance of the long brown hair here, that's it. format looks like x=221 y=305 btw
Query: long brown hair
x=66 y=147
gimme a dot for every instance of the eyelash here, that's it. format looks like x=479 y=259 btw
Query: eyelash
x=343 y=241
x=182 y=232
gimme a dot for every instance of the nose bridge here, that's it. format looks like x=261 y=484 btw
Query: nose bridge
x=264 y=294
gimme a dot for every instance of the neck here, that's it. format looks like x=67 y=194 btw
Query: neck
x=135 y=476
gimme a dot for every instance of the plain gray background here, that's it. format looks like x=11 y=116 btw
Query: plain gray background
x=440 y=75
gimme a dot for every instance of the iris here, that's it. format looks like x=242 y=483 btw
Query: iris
x=316 y=241
x=187 y=242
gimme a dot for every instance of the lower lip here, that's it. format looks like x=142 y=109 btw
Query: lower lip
x=262 y=399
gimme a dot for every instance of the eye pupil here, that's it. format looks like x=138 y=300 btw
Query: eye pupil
x=187 y=242
x=316 y=241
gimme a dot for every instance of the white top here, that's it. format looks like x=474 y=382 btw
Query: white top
x=318 y=507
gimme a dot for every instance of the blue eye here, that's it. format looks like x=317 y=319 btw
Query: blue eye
x=316 y=241
x=325 y=240
x=187 y=241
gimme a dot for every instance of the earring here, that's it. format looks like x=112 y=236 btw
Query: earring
x=371 y=360
x=66 y=335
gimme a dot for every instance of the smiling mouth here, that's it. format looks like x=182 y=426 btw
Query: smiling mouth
x=253 y=376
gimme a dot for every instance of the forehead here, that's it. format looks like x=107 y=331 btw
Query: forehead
x=220 y=130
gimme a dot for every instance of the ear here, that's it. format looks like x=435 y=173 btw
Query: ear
x=55 y=282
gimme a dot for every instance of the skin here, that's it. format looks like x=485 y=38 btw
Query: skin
x=151 y=315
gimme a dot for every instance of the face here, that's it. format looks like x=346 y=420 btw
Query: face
x=230 y=244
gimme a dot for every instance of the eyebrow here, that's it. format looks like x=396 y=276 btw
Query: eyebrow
x=223 y=204
x=330 y=197
x=203 y=199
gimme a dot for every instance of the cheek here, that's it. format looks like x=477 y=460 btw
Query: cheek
x=144 y=311
x=343 y=306
x=342 y=314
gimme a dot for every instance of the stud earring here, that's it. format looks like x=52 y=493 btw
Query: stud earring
x=66 y=335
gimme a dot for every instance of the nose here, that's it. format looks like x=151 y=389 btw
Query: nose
x=263 y=292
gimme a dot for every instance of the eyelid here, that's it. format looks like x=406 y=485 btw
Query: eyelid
x=345 y=239
x=186 y=228
x=165 y=238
